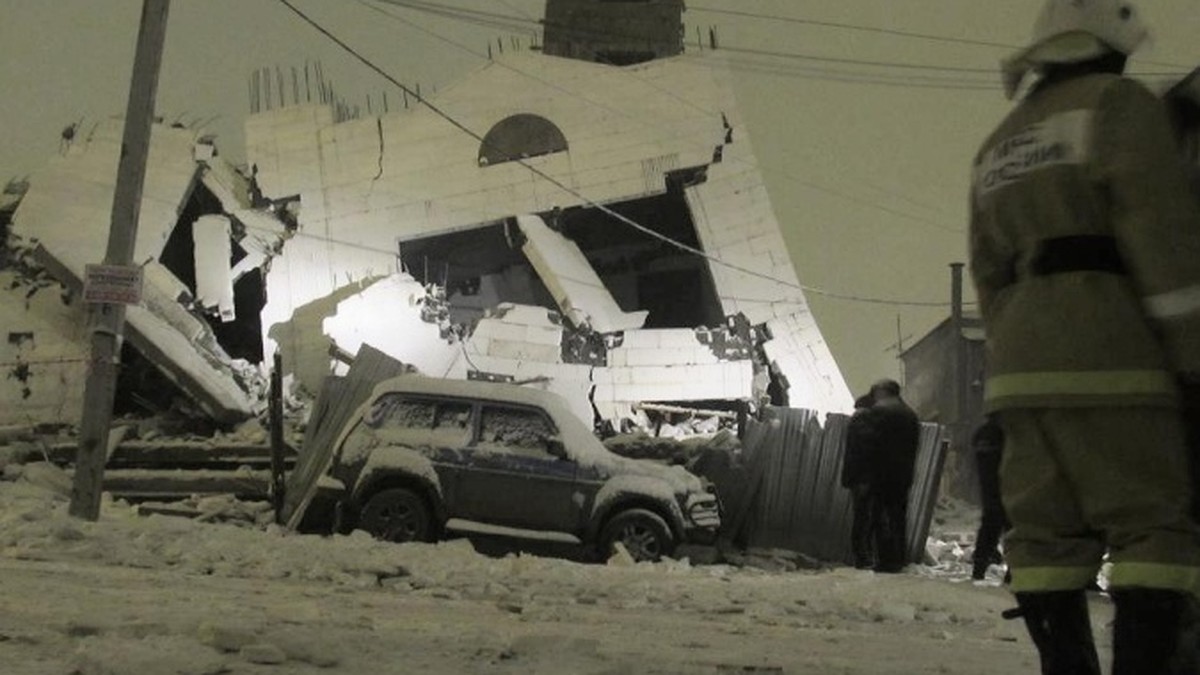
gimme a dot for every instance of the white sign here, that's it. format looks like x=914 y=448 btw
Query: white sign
x=114 y=284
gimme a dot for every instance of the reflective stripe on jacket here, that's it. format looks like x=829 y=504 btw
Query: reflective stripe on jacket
x=1090 y=159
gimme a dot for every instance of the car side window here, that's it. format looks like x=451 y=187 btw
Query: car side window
x=520 y=430
x=452 y=423
x=396 y=411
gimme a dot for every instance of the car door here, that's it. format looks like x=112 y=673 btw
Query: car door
x=513 y=478
x=438 y=429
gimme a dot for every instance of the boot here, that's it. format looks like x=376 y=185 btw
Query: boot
x=1149 y=632
x=1059 y=625
x=979 y=569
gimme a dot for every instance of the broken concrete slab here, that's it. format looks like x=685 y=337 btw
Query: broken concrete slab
x=43 y=354
x=573 y=382
x=620 y=389
x=520 y=333
x=798 y=352
x=179 y=344
x=388 y=315
x=213 y=252
x=69 y=203
x=570 y=278
x=661 y=347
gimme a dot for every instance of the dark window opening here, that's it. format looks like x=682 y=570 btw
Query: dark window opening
x=484 y=266
x=241 y=338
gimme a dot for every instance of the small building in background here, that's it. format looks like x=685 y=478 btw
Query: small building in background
x=614 y=33
x=931 y=389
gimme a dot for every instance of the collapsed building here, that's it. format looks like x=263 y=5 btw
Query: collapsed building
x=602 y=231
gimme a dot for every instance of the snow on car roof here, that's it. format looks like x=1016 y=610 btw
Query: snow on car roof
x=570 y=427
x=495 y=391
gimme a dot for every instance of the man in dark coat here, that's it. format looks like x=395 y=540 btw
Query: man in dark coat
x=857 y=478
x=897 y=433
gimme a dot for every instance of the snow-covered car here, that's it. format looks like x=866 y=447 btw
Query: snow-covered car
x=425 y=455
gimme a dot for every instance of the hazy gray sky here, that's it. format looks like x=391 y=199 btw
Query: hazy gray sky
x=865 y=146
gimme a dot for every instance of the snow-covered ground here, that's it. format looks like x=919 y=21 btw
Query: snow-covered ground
x=134 y=594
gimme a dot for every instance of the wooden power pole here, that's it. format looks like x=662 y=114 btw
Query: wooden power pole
x=115 y=284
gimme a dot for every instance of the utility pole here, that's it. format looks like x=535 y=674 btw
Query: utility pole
x=960 y=345
x=106 y=319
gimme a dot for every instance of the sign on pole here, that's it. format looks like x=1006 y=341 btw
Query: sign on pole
x=115 y=284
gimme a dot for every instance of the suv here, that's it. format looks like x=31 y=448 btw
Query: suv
x=424 y=455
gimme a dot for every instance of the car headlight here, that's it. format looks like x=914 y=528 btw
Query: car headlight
x=704 y=511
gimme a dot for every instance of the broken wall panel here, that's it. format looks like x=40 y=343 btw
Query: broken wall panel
x=409 y=175
x=661 y=347
x=619 y=388
x=213 y=253
x=74 y=194
x=571 y=381
x=569 y=276
x=310 y=269
x=283 y=149
x=43 y=354
x=389 y=316
x=226 y=184
x=69 y=204
x=180 y=345
x=799 y=352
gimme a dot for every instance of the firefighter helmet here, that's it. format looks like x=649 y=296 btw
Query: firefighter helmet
x=1071 y=31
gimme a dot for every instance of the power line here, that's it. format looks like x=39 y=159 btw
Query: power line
x=685 y=101
x=849 y=77
x=567 y=189
x=855 y=27
x=897 y=33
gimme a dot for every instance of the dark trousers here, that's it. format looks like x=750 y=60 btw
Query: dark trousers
x=862 y=537
x=987 y=540
x=890 y=520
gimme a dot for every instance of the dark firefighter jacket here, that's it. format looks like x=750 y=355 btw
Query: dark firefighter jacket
x=1085 y=249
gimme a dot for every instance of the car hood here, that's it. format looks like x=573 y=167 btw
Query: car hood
x=607 y=464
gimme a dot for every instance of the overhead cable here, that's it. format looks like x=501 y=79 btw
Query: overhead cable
x=571 y=191
x=650 y=83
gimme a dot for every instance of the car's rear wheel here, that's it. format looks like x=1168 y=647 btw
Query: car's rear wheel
x=643 y=533
x=399 y=515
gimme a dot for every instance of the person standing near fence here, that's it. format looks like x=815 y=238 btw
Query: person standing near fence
x=1084 y=244
x=896 y=433
x=857 y=477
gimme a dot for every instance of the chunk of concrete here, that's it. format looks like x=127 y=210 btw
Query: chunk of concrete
x=570 y=278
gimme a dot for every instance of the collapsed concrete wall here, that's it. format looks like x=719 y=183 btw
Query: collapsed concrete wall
x=633 y=259
x=660 y=144
x=43 y=353
x=60 y=223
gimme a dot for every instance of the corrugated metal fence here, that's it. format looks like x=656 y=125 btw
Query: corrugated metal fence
x=794 y=499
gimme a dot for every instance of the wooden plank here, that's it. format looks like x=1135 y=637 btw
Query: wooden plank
x=171 y=484
x=172 y=453
x=370 y=367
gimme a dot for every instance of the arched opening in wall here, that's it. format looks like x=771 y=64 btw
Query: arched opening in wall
x=520 y=136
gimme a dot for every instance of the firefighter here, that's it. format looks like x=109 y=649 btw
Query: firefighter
x=1085 y=254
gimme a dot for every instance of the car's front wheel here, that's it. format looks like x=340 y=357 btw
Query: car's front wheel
x=643 y=533
x=399 y=515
